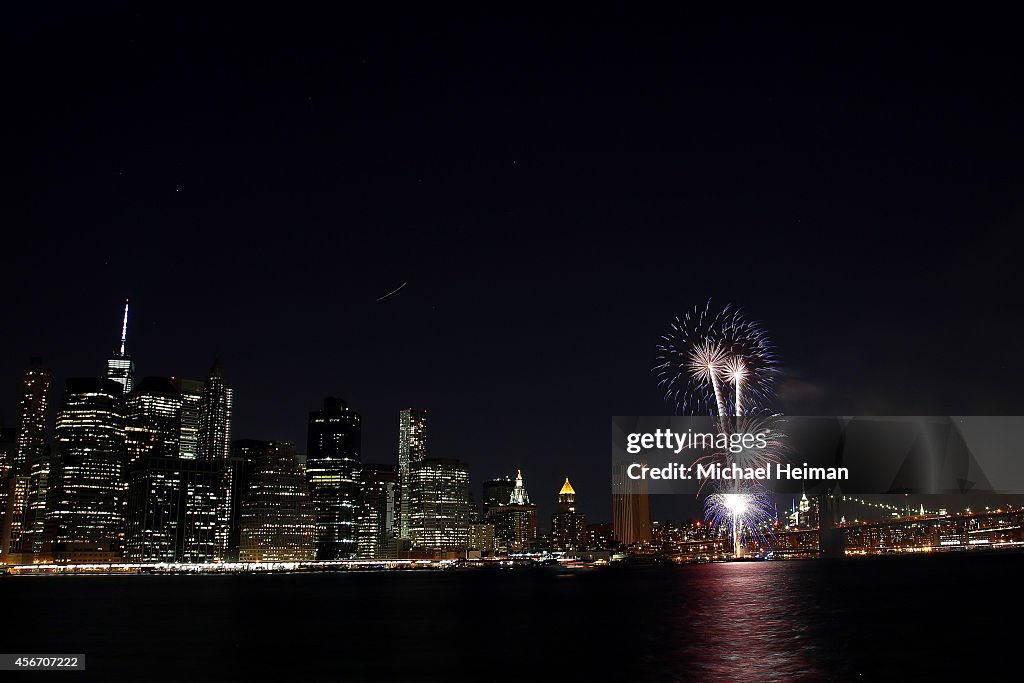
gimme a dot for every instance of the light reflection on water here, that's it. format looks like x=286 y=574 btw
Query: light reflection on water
x=858 y=619
x=745 y=621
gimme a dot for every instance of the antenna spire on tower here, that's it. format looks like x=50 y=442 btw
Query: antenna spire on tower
x=124 y=327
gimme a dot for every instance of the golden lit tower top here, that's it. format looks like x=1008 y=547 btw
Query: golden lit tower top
x=567 y=489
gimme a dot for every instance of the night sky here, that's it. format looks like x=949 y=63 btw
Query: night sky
x=553 y=191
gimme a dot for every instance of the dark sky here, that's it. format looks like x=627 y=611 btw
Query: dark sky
x=553 y=191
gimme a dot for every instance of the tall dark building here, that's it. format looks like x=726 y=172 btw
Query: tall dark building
x=172 y=510
x=497 y=491
x=332 y=468
x=440 y=505
x=32 y=408
x=568 y=526
x=152 y=419
x=8 y=450
x=277 y=520
x=214 y=443
x=412 y=448
x=85 y=520
x=120 y=366
x=378 y=495
x=33 y=457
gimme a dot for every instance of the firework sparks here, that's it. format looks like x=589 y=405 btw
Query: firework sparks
x=707 y=362
x=745 y=515
x=713 y=361
x=736 y=371
x=711 y=355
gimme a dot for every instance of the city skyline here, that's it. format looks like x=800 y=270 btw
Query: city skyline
x=550 y=199
x=318 y=322
x=414 y=419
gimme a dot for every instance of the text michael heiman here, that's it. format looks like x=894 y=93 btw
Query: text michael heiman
x=733 y=472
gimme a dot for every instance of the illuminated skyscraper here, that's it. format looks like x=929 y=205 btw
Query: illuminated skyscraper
x=568 y=527
x=519 y=495
x=191 y=392
x=214 y=443
x=215 y=407
x=120 y=366
x=277 y=520
x=378 y=494
x=440 y=505
x=33 y=456
x=85 y=522
x=172 y=510
x=152 y=419
x=38 y=497
x=412 y=448
x=15 y=529
x=35 y=396
x=515 y=523
x=332 y=468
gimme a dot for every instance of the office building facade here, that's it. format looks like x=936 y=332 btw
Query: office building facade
x=377 y=518
x=412 y=448
x=277 y=517
x=440 y=504
x=85 y=518
x=333 y=456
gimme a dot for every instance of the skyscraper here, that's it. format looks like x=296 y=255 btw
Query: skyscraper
x=519 y=495
x=332 y=467
x=568 y=527
x=172 y=510
x=497 y=491
x=35 y=397
x=378 y=494
x=515 y=523
x=85 y=521
x=215 y=408
x=191 y=393
x=412 y=448
x=631 y=511
x=152 y=419
x=440 y=505
x=277 y=520
x=33 y=452
x=8 y=450
x=15 y=529
x=13 y=499
x=120 y=366
x=214 y=443
x=38 y=497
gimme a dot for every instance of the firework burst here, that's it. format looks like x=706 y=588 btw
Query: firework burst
x=716 y=362
x=746 y=515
